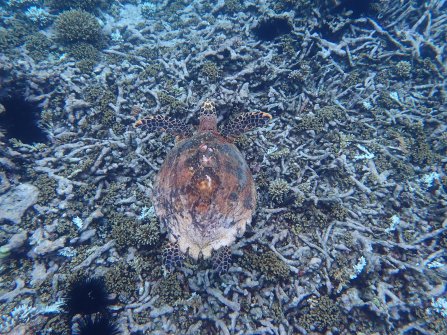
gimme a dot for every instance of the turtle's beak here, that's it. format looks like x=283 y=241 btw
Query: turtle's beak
x=266 y=115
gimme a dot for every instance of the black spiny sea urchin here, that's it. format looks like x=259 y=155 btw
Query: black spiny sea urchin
x=86 y=296
x=100 y=325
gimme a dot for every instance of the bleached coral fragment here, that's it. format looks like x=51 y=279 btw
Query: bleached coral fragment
x=47 y=246
x=26 y=312
x=116 y=36
x=20 y=314
x=435 y=264
x=366 y=154
x=394 y=96
x=38 y=274
x=16 y=201
x=53 y=308
x=440 y=306
x=15 y=242
x=429 y=178
x=367 y=105
x=358 y=268
x=272 y=149
x=38 y=15
x=147 y=212
x=394 y=222
x=68 y=252
x=23 y=312
x=148 y=8
x=77 y=221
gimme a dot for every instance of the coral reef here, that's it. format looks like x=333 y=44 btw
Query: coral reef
x=121 y=280
x=129 y=233
x=38 y=46
x=210 y=70
x=77 y=26
x=22 y=3
x=268 y=264
x=16 y=201
x=350 y=230
x=87 y=5
x=278 y=190
x=169 y=290
x=321 y=315
x=85 y=54
x=403 y=69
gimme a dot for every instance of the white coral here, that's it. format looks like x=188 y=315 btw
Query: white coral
x=77 y=221
x=358 y=268
x=440 y=306
x=24 y=313
x=147 y=213
x=38 y=15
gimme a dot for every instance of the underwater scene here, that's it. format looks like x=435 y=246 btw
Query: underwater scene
x=223 y=167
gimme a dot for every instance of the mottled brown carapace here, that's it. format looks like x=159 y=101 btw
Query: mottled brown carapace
x=205 y=193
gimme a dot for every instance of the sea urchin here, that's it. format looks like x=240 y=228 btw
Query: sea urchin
x=100 y=325
x=86 y=295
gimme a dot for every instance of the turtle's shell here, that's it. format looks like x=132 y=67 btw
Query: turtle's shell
x=204 y=194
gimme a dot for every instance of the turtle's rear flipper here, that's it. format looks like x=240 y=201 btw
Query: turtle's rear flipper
x=172 y=257
x=222 y=260
x=164 y=123
x=245 y=122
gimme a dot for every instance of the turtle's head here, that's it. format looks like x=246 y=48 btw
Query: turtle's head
x=208 y=117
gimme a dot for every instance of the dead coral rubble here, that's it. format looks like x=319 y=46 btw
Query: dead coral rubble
x=351 y=222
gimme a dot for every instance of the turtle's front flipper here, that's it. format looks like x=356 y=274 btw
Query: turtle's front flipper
x=245 y=122
x=172 y=257
x=164 y=123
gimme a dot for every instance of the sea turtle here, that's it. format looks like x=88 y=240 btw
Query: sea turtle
x=204 y=192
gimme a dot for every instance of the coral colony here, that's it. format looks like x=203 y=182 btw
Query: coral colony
x=343 y=224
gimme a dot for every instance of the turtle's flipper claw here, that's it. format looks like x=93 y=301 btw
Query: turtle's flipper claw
x=164 y=124
x=245 y=122
x=222 y=260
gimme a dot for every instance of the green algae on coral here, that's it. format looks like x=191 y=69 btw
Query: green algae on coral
x=128 y=232
x=210 y=70
x=121 y=279
x=148 y=266
x=147 y=235
x=403 y=69
x=38 y=46
x=47 y=188
x=268 y=264
x=169 y=290
x=321 y=315
x=278 y=190
x=82 y=51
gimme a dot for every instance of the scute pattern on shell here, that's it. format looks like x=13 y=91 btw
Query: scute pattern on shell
x=204 y=194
